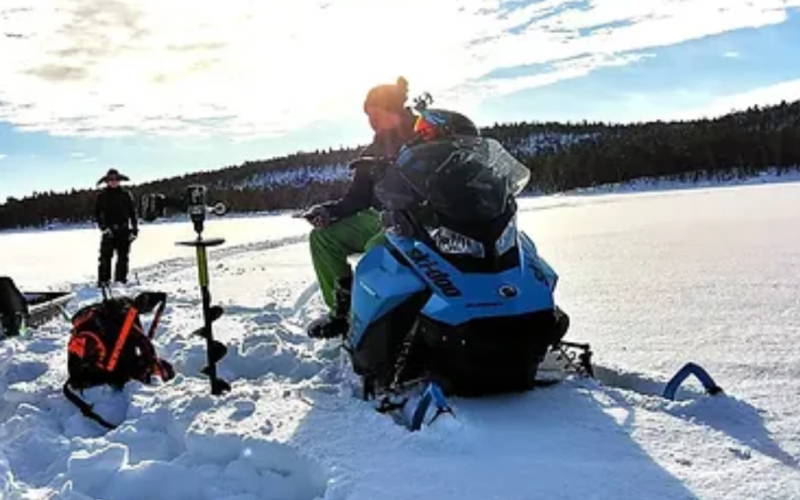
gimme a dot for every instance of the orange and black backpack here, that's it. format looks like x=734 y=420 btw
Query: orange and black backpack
x=108 y=346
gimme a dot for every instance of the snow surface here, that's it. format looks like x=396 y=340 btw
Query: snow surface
x=731 y=177
x=652 y=280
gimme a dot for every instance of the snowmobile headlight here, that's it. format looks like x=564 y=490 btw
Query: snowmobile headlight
x=449 y=241
x=508 y=239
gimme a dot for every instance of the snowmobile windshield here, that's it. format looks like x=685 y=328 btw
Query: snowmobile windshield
x=465 y=179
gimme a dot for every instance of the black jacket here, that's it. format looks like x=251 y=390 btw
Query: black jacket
x=367 y=174
x=115 y=209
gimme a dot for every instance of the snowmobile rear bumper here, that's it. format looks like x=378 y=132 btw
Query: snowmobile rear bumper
x=487 y=355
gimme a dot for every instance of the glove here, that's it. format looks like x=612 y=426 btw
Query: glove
x=318 y=216
x=107 y=233
x=133 y=236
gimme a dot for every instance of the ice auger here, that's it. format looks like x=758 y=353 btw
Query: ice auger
x=215 y=350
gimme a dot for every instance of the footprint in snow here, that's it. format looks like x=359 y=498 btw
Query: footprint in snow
x=242 y=409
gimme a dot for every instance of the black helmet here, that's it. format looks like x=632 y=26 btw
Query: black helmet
x=441 y=123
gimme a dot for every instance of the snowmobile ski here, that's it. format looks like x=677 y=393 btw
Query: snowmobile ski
x=688 y=370
x=411 y=406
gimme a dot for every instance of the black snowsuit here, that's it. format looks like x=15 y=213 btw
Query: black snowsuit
x=368 y=175
x=115 y=215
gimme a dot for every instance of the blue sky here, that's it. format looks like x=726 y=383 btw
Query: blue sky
x=160 y=89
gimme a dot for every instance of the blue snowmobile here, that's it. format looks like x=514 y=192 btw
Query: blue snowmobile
x=458 y=301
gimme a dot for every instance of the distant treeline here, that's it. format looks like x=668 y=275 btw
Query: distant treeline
x=561 y=156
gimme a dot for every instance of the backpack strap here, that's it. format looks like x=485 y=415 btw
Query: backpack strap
x=122 y=338
x=85 y=407
x=162 y=303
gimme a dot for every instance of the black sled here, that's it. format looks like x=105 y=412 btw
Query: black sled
x=21 y=311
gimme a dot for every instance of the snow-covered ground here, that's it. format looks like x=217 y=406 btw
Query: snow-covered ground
x=651 y=280
x=704 y=180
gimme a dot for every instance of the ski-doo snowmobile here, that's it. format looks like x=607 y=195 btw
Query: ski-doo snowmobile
x=458 y=299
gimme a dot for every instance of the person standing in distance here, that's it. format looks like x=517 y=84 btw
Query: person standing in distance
x=115 y=215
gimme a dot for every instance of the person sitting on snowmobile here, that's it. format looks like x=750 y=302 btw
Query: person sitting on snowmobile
x=352 y=224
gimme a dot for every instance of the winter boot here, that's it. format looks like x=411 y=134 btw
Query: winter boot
x=337 y=322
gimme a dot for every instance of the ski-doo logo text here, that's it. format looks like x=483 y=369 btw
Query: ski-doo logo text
x=439 y=278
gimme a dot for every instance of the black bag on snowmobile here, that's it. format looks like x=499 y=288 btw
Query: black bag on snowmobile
x=108 y=346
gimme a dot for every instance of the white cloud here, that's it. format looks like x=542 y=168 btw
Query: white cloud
x=82 y=157
x=732 y=55
x=3 y=156
x=248 y=68
x=763 y=96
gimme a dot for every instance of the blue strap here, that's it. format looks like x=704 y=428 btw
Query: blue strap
x=689 y=369
x=433 y=394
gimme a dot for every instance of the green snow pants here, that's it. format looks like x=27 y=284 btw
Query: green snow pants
x=332 y=245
